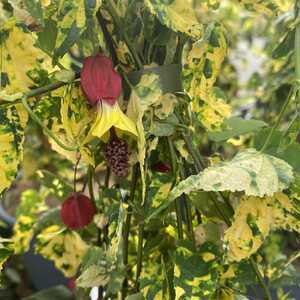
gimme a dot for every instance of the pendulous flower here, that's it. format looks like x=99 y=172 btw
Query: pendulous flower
x=100 y=81
x=102 y=86
x=77 y=211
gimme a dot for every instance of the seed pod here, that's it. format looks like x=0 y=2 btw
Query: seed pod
x=77 y=211
x=99 y=80
x=117 y=156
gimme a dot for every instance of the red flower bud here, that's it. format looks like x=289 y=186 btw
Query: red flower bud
x=77 y=211
x=99 y=80
x=161 y=167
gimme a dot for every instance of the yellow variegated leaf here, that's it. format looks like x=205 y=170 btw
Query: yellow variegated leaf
x=254 y=218
x=23 y=233
x=179 y=15
x=65 y=248
x=13 y=120
x=165 y=106
x=6 y=250
x=252 y=172
x=202 y=62
x=146 y=93
x=19 y=50
x=71 y=129
x=267 y=7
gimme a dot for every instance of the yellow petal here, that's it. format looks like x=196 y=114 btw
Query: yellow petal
x=109 y=116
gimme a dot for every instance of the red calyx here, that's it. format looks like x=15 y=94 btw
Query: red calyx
x=161 y=167
x=77 y=211
x=99 y=80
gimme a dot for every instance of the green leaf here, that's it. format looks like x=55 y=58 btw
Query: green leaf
x=31 y=201
x=196 y=272
x=13 y=120
x=285 y=46
x=252 y=172
x=47 y=37
x=138 y=296
x=56 y=185
x=292 y=155
x=235 y=126
x=57 y=292
x=274 y=143
x=34 y=7
x=70 y=37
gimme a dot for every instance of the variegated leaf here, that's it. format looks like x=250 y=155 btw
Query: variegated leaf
x=179 y=15
x=65 y=248
x=201 y=61
x=252 y=172
x=145 y=94
x=255 y=218
x=13 y=120
x=18 y=50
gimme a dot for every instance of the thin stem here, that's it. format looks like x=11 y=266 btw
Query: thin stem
x=199 y=165
x=108 y=38
x=127 y=225
x=90 y=183
x=75 y=172
x=39 y=122
x=189 y=220
x=177 y=201
x=113 y=11
x=291 y=95
x=139 y=263
x=260 y=279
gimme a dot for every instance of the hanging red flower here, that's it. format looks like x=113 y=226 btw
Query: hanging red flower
x=77 y=211
x=99 y=80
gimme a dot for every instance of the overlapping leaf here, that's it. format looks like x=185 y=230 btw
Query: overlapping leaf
x=255 y=218
x=6 y=250
x=13 y=119
x=267 y=7
x=63 y=247
x=69 y=118
x=178 y=15
x=146 y=93
x=196 y=273
x=18 y=50
x=252 y=172
x=201 y=61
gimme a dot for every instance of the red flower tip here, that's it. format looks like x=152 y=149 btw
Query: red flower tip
x=99 y=80
x=161 y=167
x=77 y=211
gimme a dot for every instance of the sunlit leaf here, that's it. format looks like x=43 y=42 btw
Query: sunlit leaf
x=201 y=61
x=13 y=120
x=65 y=248
x=252 y=172
x=178 y=15
x=255 y=218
